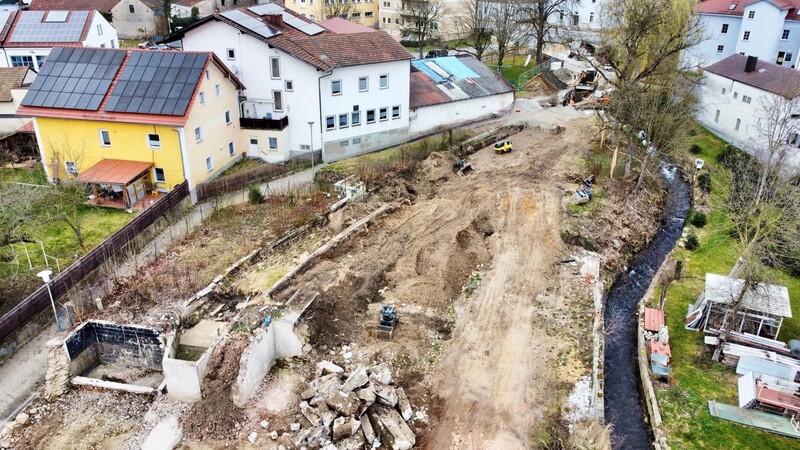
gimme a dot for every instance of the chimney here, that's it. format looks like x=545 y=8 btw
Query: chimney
x=275 y=19
x=751 y=64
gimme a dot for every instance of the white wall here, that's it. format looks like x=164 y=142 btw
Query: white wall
x=430 y=118
x=11 y=124
x=184 y=378
x=705 y=53
x=101 y=33
x=141 y=23
x=730 y=109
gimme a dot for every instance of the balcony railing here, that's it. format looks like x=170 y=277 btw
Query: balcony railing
x=264 y=124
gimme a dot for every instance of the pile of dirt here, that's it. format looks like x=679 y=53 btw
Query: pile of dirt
x=215 y=416
x=538 y=87
x=438 y=167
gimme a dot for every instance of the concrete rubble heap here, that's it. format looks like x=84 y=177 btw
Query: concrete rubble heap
x=360 y=410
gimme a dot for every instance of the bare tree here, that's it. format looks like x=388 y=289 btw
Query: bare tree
x=474 y=25
x=17 y=204
x=420 y=20
x=64 y=203
x=327 y=9
x=506 y=25
x=538 y=15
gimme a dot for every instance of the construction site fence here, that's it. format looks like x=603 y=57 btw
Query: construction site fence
x=39 y=302
x=266 y=172
x=543 y=68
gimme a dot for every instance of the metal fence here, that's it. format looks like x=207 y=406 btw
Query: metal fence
x=29 y=308
x=535 y=70
x=239 y=181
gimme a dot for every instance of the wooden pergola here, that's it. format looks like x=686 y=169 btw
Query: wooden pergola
x=112 y=177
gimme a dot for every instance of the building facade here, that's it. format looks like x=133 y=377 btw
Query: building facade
x=363 y=12
x=139 y=19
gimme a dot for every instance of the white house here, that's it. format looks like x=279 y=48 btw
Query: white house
x=14 y=83
x=768 y=29
x=27 y=37
x=137 y=19
x=733 y=95
x=308 y=87
x=183 y=8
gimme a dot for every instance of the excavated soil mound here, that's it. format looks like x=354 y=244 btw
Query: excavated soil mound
x=437 y=167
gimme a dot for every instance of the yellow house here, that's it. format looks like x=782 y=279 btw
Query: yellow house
x=364 y=12
x=130 y=122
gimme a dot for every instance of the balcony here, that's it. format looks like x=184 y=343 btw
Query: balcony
x=248 y=123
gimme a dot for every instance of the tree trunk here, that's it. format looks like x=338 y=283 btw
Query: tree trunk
x=628 y=161
x=642 y=171
x=539 y=49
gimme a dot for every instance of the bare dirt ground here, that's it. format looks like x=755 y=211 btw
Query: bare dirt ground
x=493 y=384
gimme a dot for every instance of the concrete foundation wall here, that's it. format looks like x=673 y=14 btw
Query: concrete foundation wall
x=84 y=361
x=108 y=342
x=184 y=378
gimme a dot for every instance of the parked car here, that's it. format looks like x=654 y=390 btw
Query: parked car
x=436 y=53
x=503 y=147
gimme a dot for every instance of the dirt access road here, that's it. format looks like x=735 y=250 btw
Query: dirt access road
x=485 y=368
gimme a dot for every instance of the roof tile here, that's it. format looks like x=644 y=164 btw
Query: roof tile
x=769 y=77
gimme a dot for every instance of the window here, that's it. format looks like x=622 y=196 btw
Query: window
x=434 y=26
x=22 y=61
x=371 y=116
x=355 y=118
x=209 y=164
x=356 y=15
x=336 y=87
x=356 y=141
x=130 y=9
x=71 y=167
x=231 y=53
x=218 y=90
x=724 y=28
x=384 y=112
x=40 y=60
x=198 y=134
x=344 y=143
x=751 y=14
x=305 y=147
x=231 y=149
x=202 y=97
x=746 y=99
x=788 y=57
x=99 y=29
x=105 y=138
x=716 y=116
x=363 y=84
x=720 y=48
x=395 y=112
x=746 y=36
x=274 y=67
x=277 y=99
x=330 y=123
x=785 y=35
x=738 y=122
x=388 y=20
x=228 y=117
x=208 y=75
x=273 y=143
x=368 y=14
x=591 y=17
x=342 y=120
x=289 y=85
x=384 y=81
x=153 y=140
x=724 y=91
x=158 y=175
x=735 y=95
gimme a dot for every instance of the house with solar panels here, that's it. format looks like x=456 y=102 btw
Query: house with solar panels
x=307 y=86
x=130 y=122
x=27 y=37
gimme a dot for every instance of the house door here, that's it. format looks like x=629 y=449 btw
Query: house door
x=253 y=149
x=575 y=19
x=781 y=56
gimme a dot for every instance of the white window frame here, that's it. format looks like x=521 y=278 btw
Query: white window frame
x=209 y=163
x=201 y=96
x=271 y=147
x=720 y=49
x=383 y=111
x=397 y=108
x=288 y=86
x=163 y=175
x=105 y=142
x=151 y=143
x=272 y=69
x=751 y=14
x=355 y=118
x=99 y=29
x=384 y=76
x=333 y=91
x=198 y=134
x=366 y=84
x=276 y=103
x=218 y=90
x=231 y=148
x=71 y=168
x=228 y=118
x=724 y=29
x=374 y=116
x=330 y=123
x=785 y=35
x=231 y=54
x=346 y=118
x=746 y=36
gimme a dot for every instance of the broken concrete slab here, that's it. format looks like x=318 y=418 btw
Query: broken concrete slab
x=164 y=436
x=327 y=367
x=367 y=395
x=390 y=427
x=308 y=393
x=404 y=405
x=344 y=427
x=311 y=414
x=385 y=394
x=354 y=442
x=366 y=428
x=356 y=379
x=346 y=404
x=381 y=373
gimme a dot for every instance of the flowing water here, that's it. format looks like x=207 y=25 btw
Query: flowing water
x=624 y=406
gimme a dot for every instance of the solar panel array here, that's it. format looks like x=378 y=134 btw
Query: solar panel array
x=293 y=21
x=30 y=27
x=74 y=78
x=251 y=23
x=157 y=83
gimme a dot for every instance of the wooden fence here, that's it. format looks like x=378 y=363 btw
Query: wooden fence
x=37 y=302
x=239 y=181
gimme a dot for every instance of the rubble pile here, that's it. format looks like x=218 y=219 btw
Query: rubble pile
x=362 y=410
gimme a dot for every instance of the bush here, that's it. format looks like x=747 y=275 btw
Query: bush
x=692 y=243
x=254 y=194
x=695 y=149
x=699 y=219
x=704 y=182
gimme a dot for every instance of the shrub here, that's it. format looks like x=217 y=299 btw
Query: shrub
x=692 y=243
x=254 y=194
x=695 y=149
x=699 y=219
x=704 y=182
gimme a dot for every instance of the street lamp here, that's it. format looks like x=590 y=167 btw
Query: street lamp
x=311 y=146
x=45 y=276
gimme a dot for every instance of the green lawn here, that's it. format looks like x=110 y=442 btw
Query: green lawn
x=695 y=379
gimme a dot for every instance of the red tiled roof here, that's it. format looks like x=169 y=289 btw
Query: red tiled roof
x=11 y=78
x=27 y=128
x=342 y=26
x=103 y=6
x=7 y=32
x=780 y=80
x=114 y=171
x=424 y=92
x=653 y=319
x=724 y=6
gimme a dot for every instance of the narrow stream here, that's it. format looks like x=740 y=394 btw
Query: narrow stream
x=624 y=406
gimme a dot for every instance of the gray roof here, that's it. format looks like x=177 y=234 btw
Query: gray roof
x=780 y=80
x=766 y=298
x=452 y=78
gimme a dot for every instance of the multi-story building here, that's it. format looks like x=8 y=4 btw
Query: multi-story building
x=308 y=87
x=27 y=37
x=446 y=28
x=766 y=29
x=364 y=12
x=129 y=122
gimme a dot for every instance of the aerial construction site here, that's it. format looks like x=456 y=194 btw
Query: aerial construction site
x=266 y=326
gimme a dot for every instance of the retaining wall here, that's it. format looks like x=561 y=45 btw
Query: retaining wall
x=184 y=379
